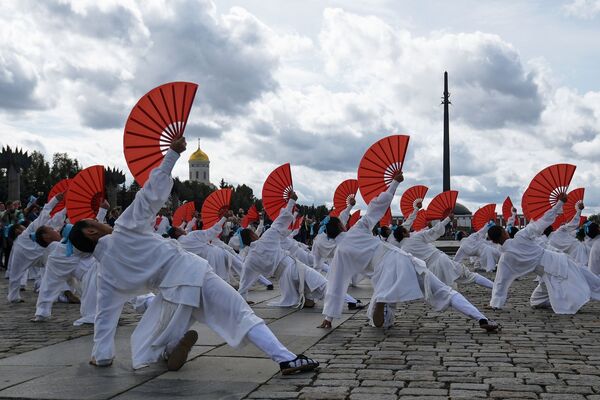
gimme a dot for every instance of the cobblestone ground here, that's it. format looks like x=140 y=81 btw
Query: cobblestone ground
x=429 y=355
x=19 y=335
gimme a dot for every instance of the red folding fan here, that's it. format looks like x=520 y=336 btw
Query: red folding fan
x=507 y=207
x=442 y=205
x=386 y=220
x=251 y=216
x=343 y=193
x=353 y=219
x=335 y=212
x=378 y=166
x=524 y=204
x=215 y=206
x=157 y=119
x=297 y=223
x=421 y=221
x=61 y=187
x=86 y=192
x=484 y=215
x=411 y=197
x=575 y=197
x=183 y=213
x=545 y=188
x=276 y=190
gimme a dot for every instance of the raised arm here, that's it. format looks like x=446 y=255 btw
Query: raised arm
x=345 y=215
x=285 y=217
x=512 y=218
x=411 y=219
x=537 y=227
x=436 y=231
x=261 y=227
x=379 y=205
x=44 y=216
x=58 y=220
x=190 y=225
x=573 y=224
x=155 y=193
x=102 y=210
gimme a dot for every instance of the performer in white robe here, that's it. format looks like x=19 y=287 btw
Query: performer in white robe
x=133 y=260
x=161 y=223
x=26 y=253
x=63 y=265
x=564 y=284
x=564 y=239
x=476 y=245
x=396 y=275
x=593 y=233
x=323 y=248
x=420 y=245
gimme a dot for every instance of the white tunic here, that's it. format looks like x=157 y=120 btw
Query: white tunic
x=564 y=239
x=476 y=245
x=569 y=286
x=594 y=260
x=323 y=248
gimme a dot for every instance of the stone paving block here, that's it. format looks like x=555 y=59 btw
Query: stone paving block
x=467 y=394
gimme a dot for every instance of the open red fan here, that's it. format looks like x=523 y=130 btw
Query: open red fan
x=386 y=220
x=381 y=162
x=215 y=206
x=276 y=190
x=411 y=197
x=297 y=223
x=183 y=213
x=421 y=221
x=353 y=219
x=575 y=197
x=251 y=216
x=507 y=207
x=442 y=205
x=157 y=119
x=61 y=187
x=484 y=215
x=545 y=188
x=524 y=204
x=343 y=193
x=86 y=192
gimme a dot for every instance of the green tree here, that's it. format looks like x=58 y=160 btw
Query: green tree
x=37 y=177
x=63 y=167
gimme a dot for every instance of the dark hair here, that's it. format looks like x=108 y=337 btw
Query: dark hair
x=333 y=228
x=246 y=236
x=38 y=236
x=385 y=231
x=548 y=230
x=495 y=233
x=376 y=229
x=399 y=233
x=78 y=238
x=12 y=235
x=171 y=233
x=592 y=230
x=512 y=231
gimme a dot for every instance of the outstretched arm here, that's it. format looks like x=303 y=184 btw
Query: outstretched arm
x=151 y=198
x=379 y=205
x=573 y=223
x=411 y=219
x=44 y=216
x=345 y=215
x=537 y=227
x=433 y=234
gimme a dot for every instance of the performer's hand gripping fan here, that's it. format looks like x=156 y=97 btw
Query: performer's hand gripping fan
x=411 y=197
x=545 y=189
x=215 y=207
x=343 y=194
x=575 y=198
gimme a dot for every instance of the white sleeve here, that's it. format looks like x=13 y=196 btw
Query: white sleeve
x=190 y=225
x=433 y=234
x=573 y=223
x=284 y=219
x=151 y=198
x=260 y=228
x=538 y=227
x=410 y=220
x=345 y=215
x=44 y=216
x=377 y=208
x=58 y=220
x=511 y=219
x=101 y=214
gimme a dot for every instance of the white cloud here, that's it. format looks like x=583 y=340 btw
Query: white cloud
x=585 y=9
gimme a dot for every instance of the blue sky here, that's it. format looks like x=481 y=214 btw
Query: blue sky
x=315 y=83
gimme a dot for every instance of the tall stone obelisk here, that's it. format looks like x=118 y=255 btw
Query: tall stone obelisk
x=446 y=102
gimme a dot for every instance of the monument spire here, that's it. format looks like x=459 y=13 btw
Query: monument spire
x=446 y=102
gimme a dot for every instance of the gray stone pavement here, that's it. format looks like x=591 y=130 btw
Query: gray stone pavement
x=426 y=355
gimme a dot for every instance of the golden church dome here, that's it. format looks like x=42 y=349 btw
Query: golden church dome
x=199 y=155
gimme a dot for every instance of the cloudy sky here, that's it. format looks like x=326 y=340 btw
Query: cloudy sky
x=315 y=82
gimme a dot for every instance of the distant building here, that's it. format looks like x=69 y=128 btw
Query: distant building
x=199 y=166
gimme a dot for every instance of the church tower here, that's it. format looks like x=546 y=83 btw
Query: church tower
x=199 y=166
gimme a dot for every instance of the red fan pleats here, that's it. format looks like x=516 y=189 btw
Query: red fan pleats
x=546 y=186
x=421 y=221
x=386 y=220
x=484 y=215
x=297 y=223
x=411 y=197
x=276 y=190
x=61 y=187
x=215 y=206
x=183 y=213
x=251 y=216
x=442 y=205
x=86 y=192
x=343 y=193
x=507 y=207
x=157 y=119
x=575 y=197
x=381 y=162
